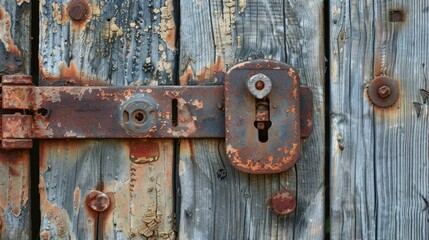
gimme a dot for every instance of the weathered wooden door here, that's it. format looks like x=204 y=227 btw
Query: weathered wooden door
x=363 y=172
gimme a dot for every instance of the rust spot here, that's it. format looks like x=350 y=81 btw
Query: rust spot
x=97 y=201
x=283 y=202
x=45 y=235
x=69 y=76
x=76 y=200
x=167 y=26
x=2 y=224
x=186 y=76
x=207 y=74
x=143 y=151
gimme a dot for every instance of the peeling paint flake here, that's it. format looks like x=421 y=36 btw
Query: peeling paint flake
x=20 y=2
x=167 y=29
x=112 y=31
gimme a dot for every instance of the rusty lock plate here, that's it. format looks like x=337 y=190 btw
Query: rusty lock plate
x=272 y=145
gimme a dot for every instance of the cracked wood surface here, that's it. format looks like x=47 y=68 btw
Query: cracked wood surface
x=119 y=43
x=379 y=157
x=15 y=54
x=217 y=201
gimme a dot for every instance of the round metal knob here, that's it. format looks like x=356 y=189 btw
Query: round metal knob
x=259 y=85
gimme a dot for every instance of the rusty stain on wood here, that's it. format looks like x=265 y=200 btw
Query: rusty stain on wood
x=167 y=26
x=207 y=74
x=76 y=200
x=144 y=151
x=5 y=36
x=69 y=76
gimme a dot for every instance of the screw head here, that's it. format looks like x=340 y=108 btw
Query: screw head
x=383 y=92
x=283 y=202
x=97 y=201
x=77 y=10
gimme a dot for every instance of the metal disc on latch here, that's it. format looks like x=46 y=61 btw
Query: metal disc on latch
x=259 y=85
x=262 y=116
x=139 y=115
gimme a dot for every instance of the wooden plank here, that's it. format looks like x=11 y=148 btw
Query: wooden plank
x=120 y=43
x=15 y=54
x=379 y=168
x=216 y=201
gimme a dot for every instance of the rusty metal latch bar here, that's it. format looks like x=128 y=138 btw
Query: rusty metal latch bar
x=254 y=94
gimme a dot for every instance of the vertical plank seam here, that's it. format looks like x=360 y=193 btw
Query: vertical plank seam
x=35 y=213
x=327 y=99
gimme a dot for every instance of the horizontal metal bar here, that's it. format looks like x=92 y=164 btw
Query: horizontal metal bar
x=98 y=112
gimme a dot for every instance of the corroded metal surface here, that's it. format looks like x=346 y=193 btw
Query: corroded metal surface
x=283 y=202
x=97 y=201
x=60 y=112
x=383 y=92
x=97 y=112
x=306 y=111
x=244 y=149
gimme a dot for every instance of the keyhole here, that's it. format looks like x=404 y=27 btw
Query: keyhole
x=138 y=117
x=263 y=122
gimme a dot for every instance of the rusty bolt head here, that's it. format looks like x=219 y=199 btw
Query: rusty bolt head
x=383 y=92
x=97 y=201
x=77 y=10
x=283 y=202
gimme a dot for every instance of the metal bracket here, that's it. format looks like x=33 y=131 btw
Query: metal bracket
x=62 y=112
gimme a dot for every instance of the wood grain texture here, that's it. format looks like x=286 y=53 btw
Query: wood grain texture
x=218 y=202
x=120 y=43
x=15 y=54
x=379 y=157
x=140 y=195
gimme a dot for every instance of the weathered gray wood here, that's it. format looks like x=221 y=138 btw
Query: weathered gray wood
x=121 y=43
x=141 y=195
x=15 y=54
x=215 y=35
x=379 y=157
